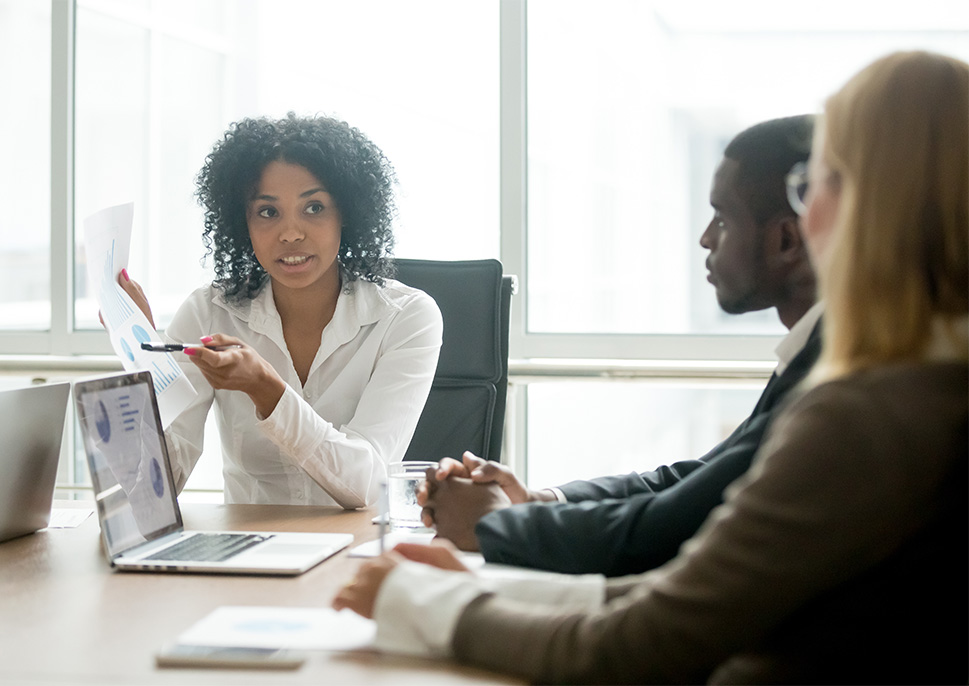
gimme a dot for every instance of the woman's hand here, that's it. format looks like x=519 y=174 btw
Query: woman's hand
x=360 y=595
x=133 y=289
x=238 y=368
x=441 y=553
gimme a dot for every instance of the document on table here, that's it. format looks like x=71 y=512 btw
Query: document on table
x=68 y=518
x=372 y=548
x=392 y=538
x=298 y=628
x=107 y=239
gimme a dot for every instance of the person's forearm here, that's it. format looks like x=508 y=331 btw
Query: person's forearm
x=266 y=392
x=345 y=464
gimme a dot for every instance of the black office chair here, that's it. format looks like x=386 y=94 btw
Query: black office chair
x=466 y=406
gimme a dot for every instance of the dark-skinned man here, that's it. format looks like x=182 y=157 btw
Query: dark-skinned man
x=625 y=524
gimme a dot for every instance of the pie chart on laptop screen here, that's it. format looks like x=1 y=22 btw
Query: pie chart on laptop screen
x=102 y=422
x=157 y=484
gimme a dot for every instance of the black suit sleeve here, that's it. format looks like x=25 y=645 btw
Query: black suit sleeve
x=628 y=485
x=617 y=536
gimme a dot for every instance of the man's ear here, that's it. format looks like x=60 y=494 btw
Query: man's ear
x=783 y=243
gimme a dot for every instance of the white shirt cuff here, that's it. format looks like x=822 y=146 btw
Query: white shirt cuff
x=583 y=592
x=419 y=606
x=559 y=496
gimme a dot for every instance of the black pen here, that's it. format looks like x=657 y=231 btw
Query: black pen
x=175 y=347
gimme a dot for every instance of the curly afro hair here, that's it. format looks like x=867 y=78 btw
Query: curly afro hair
x=354 y=171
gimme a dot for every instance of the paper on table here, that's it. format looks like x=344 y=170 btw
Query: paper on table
x=107 y=239
x=372 y=548
x=68 y=518
x=300 y=628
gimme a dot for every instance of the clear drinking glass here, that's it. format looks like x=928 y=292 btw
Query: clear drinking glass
x=404 y=478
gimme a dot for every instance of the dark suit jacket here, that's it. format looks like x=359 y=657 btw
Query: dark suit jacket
x=619 y=525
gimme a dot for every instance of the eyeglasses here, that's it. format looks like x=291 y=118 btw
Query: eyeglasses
x=797 y=186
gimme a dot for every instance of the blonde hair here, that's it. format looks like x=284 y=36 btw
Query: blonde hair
x=898 y=135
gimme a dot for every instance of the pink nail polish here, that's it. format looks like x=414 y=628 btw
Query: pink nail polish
x=206 y=339
x=124 y=273
x=189 y=351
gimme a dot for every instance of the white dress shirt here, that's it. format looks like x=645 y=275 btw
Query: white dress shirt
x=328 y=442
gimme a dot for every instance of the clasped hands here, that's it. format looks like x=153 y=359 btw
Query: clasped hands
x=456 y=495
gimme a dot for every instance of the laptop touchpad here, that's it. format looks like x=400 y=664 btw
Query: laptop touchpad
x=279 y=548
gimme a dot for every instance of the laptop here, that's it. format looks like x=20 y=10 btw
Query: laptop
x=31 y=427
x=141 y=524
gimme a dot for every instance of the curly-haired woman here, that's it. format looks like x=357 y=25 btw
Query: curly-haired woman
x=334 y=359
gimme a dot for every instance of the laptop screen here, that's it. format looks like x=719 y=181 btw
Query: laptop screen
x=128 y=460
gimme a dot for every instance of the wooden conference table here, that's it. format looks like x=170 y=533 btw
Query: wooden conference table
x=67 y=618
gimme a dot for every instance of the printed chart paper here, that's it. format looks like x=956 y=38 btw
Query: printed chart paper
x=299 y=628
x=107 y=239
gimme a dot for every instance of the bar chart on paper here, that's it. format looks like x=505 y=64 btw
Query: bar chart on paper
x=164 y=372
x=107 y=235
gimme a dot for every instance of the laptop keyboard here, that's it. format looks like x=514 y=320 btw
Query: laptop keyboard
x=209 y=547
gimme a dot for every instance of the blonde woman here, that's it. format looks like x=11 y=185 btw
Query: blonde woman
x=842 y=555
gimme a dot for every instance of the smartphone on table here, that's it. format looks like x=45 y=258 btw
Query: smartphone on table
x=228 y=657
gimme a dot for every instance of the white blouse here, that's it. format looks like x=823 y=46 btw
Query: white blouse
x=328 y=442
